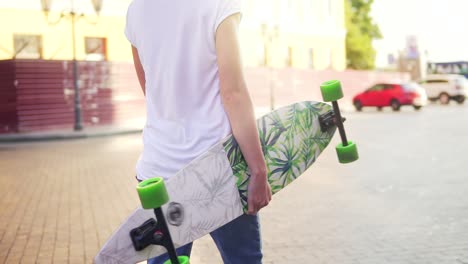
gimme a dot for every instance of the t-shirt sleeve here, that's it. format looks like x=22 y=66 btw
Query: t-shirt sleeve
x=129 y=30
x=227 y=8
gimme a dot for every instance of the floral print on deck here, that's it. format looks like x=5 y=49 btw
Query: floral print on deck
x=291 y=141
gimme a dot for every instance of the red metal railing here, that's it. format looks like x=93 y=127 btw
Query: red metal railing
x=38 y=95
x=8 y=114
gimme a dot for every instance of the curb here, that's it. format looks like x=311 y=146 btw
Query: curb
x=56 y=136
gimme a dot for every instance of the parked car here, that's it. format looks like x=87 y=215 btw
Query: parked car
x=446 y=87
x=394 y=95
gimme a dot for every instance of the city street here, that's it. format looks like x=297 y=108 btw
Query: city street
x=404 y=201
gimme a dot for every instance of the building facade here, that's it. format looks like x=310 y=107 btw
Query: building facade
x=29 y=33
x=302 y=34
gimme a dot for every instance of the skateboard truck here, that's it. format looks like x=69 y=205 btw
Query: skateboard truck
x=332 y=92
x=153 y=195
x=328 y=120
x=150 y=232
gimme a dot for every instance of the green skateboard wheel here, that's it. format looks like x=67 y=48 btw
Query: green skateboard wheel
x=331 y=91
x=152 y=193
x=182 y=260
x=347 y=154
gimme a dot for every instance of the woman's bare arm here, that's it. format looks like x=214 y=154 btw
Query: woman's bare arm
x=239 y=108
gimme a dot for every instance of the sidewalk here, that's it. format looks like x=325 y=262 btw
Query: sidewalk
x=62 y=200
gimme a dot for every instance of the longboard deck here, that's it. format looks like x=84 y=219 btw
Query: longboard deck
x=212 y=190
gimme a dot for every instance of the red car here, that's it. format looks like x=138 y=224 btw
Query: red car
x=393 y=95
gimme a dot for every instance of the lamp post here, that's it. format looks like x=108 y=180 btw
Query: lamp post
x=46 y=7
x=269 y=34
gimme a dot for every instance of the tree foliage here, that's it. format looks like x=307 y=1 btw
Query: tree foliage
x=361 y=31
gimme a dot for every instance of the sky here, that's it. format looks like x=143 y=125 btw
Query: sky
x=440 y=27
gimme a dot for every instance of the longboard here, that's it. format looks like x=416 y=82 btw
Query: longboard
x=211 y=191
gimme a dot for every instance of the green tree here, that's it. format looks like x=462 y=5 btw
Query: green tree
x=361 y=32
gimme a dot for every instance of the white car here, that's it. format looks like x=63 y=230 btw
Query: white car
x=446 y=87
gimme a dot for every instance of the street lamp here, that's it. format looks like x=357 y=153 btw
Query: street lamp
x=97 y=6
x=269 y=34
x=46 y=5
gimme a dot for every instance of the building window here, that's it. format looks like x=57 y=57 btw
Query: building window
x=289 y=57
x=291 y=14
x=27 y=46
x=262 y=54
x=311 y=58
x=96 y=49
x=330 y=7
x=309 y=14
x=329 y=59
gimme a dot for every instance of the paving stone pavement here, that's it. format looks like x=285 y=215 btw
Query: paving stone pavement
x=405 y=201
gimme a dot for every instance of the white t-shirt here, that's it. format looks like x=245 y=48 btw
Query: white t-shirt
x=176 y=44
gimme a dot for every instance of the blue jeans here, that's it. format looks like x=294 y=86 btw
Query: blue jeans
x=239 y=242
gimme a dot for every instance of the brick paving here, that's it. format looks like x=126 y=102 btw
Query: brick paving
x=405 y=201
